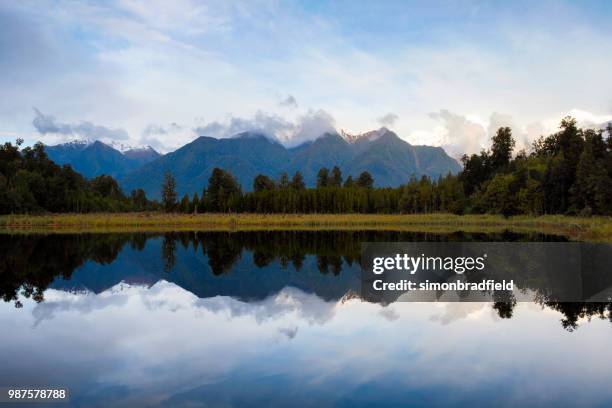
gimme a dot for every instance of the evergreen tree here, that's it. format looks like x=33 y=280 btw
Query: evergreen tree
x=139 y=200
x=106 y=186
x=223 y=191
x=475 y=171
x=336 y=177
x=297 y=181
x=365 y=180
x=349 y=183
x=589 y=193
x=263 y=183
x=561 y=171
x=195 y=204
x=203 y=202
x=169 y=192
x=323 y=178
x=185 y=205
x=283 y=181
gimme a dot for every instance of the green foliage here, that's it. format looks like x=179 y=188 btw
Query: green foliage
x=31 y=183
x=569 y=171
x=323 y=178
x=185 y=205
x=223 y=193
x=297 y=181
x=336 y=177
x=349 y=182
x=106 y=186
x=195 y=204
x=501 y=148
x=283 y=181
x=500 y=195
x=139 y=200
x=476 y=170
x=365 y=180
x=169 y=192
x=263 y=183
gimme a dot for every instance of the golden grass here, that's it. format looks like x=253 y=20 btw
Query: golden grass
x=593 y=228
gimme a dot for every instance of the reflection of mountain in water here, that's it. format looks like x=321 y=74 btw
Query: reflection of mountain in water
x=249 y=266
x=207 y=264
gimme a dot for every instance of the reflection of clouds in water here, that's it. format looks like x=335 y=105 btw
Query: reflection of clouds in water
x=452 y=311
x=388 y=313
x=166 y=296
x=307 y=307
x=83 y=303
x=290 y=332
x=161 y=340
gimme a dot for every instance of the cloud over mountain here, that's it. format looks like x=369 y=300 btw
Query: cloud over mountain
x=461 y=134
x=388 y=120
x=304 y=127
x=289 y=102
x=47 y=124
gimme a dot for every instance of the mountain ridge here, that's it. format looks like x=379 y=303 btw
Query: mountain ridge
x=390 y=160
x=94 y=158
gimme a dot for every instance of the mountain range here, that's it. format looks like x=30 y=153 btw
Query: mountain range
x=390 y=160
x=97 y=158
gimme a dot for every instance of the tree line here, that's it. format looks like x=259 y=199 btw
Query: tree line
x=568 y=172
x=32 y=183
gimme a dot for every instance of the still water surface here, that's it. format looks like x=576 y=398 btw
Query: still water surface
x=275 y=319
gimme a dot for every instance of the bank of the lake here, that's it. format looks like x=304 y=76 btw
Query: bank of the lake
x=592 y=228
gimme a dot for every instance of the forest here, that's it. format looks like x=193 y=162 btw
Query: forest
x=568 y=172
x=31 y=183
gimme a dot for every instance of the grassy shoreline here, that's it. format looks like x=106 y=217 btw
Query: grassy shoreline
x=593 y=228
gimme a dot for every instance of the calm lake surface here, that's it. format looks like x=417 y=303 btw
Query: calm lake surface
x=275 y=319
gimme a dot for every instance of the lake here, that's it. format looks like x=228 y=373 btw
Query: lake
x=275 y=319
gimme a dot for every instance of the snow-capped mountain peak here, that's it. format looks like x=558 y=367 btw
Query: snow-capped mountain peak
x=77 y=143
x=122 y=147
x=370 y=136
x=140 y=149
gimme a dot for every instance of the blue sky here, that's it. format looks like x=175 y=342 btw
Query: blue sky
x=160 y=73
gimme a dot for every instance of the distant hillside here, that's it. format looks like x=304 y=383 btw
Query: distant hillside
x=94 y=159
x=390 y=160
x=245 y=156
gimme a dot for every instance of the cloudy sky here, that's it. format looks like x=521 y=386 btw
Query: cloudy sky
x=162 y=72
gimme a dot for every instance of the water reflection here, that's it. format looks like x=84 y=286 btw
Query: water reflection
x=161 y=345
x=245 y=265
x=275 y=319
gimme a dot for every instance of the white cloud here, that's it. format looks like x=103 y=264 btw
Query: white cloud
x=307 y=126
x=460 y=135
x=164 y=138
x=388 y=120
x=311 y=125
x=187 y=16
x=46 y=124
x=289 y=102
x=140 y=62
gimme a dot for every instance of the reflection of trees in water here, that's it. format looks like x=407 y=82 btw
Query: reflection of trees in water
x=30 y=263
x=504 y=303
x=574 y=311
x=168 y=251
